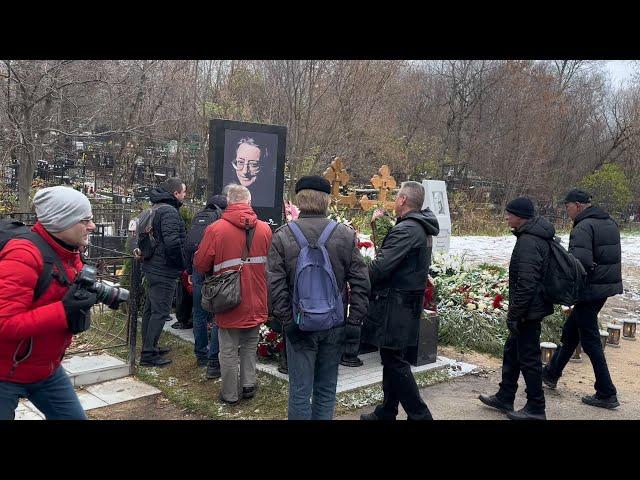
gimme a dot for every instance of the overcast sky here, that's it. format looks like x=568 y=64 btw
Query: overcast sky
x=620 y=71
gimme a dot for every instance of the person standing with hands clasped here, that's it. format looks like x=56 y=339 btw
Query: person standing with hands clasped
x=41 y=307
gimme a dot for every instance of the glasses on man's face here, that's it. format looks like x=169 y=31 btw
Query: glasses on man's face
x=242 y=164
x=85 y=222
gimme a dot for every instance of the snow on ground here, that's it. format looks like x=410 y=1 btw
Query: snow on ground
x=477 y=249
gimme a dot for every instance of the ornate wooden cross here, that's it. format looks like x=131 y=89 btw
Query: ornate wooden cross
x=384 y=182
x=338 y=176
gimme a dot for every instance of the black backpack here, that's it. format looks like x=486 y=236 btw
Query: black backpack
x=10 y=229
x=199 y=224
x=565 y=277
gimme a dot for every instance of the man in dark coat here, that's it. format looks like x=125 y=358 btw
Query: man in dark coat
x=527 y=307
x=398 y=279
x=595 y=241
x=163 y=269
x=206 y=347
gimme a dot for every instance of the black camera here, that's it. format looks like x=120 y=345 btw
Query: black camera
x=112 y=297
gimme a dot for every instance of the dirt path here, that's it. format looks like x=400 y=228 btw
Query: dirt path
x=155 y=407
x=458 y=399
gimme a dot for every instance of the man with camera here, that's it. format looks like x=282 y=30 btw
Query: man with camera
x=42 y=306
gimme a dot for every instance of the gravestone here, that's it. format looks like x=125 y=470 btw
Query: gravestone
x=435 y=197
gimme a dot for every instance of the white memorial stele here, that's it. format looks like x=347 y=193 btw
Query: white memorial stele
x=435 y=197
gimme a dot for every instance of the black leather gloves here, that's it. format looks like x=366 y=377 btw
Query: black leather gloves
x=77 y=305
x=352 y=339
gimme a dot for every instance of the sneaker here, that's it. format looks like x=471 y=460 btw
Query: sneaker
x=228 y=402
x=213 y=370
x=548 y=380
x=527 y=414
x=351 y=361
x=182 y=326
x=249 y=392
x=494 y=402
x=595 y=401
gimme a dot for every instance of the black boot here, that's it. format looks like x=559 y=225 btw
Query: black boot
x=548 y=380
x=369 y=416
x=152 y=360
x=494 y=402
x=351 y=361
x=595 y=401
x=527 y=413
x=213 y=369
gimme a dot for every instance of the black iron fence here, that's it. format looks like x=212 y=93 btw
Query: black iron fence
x=113 y=330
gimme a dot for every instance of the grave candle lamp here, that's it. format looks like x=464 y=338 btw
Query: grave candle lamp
x=614 y=335
x=629 y=329
x=546 y=351
x=576 y=354
x=604 y=335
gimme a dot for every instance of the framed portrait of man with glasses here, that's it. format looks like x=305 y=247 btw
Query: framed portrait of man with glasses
x=251 y=155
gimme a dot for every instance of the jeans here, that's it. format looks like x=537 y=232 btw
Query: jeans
x=201 y=318
x=53 y=396
x=230 y=340
x=313 y=374
x=157 y=309
x=522 y=354
x=399 y=387
x=582 y=326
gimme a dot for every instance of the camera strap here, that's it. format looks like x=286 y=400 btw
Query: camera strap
x=51 y=260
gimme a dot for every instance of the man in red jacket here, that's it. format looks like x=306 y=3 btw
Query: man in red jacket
x=34 y=334
x=221 y=250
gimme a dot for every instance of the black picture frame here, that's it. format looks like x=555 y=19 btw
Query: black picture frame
x=223 y=141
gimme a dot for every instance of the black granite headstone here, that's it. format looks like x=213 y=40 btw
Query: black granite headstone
x=427 y=349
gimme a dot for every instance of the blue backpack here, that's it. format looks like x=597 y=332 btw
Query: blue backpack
x=317 y=302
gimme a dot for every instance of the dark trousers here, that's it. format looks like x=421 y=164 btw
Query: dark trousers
x=399 y=387
x=582 y=326
x=157 y=309
x=522 y=354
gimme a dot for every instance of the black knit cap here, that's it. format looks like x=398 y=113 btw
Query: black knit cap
x=521 y=207
x=313 y=182
x=577 y=195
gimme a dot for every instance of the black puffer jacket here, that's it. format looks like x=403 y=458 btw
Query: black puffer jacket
x=398 y=279
x=595 y=241
x=526 y=271
x=199 y=223
x=168 y=228
x=346 y=261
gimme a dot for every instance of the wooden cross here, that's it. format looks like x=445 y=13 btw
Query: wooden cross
x=383 y=182
x=338 y=176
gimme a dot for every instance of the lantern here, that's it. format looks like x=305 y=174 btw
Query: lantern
x=576 y=354
x=604 y=335
x=547 y=349
x=629 y=329
x=614 y=335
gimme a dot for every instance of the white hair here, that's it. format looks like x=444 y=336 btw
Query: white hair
x=237 y=194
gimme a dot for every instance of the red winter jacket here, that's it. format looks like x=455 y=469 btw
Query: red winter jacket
x=39 y=326
x=221 y=249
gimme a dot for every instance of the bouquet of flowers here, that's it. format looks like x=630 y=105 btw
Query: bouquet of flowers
x=270 y=343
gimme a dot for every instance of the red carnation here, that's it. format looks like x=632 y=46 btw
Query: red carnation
x=280 y=345
x=365 y=245
x=429 y=292
x=263 y=350
x=497 y=301
x=271 y=336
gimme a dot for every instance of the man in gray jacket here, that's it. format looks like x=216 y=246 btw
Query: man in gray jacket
x=313 y=356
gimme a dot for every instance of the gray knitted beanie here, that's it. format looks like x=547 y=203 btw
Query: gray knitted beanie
x=59 y=208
